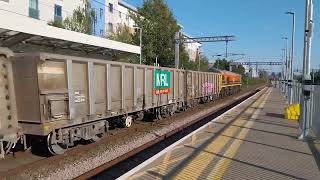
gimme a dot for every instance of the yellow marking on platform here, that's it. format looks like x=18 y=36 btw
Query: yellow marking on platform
x=210 y=128
x=201 y=162
x=160 y=167
x=193 y=139
x=165 y=162
x=222 y=166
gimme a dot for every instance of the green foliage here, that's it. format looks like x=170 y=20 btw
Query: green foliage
x=123 y=34
x=223 y=64
x=133 y=58
x=204 y=63
x=247 y=81
x=185 y=62
x=58 y=24
x=81 y=20
x=159 y=27
x=239 y=69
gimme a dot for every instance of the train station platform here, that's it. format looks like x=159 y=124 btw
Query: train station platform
x=250 y=141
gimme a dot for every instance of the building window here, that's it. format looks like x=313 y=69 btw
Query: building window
x=33 y=4
x=111 y=7
x=119 y=14
x=33 y=9
x=110 y=27
x=127 y=17
x=57 y=10
x=57 y=13
x=101 y=13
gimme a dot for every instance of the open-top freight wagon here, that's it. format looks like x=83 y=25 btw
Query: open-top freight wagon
x=66 y=98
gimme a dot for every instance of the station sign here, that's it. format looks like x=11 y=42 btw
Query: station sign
x=161 y=82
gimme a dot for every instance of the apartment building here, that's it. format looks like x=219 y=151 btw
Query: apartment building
x=193 y=49
x=109 y=15
x=42 y=10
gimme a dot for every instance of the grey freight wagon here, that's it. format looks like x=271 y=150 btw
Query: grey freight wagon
x=67 y=98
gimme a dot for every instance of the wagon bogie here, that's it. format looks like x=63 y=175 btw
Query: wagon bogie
x=60 y=139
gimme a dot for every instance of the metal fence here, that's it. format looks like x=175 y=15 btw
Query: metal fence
x=296 y=92
x=315 y=105
x=315 y=109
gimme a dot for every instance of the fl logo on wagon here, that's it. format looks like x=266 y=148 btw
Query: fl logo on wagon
x=161 y=82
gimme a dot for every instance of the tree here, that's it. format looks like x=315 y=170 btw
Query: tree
x=123 y=34
x=204 y=63
x=223 y=64
x=82 y=19
x=159 y=27
x=238 y=69
x=185 y=62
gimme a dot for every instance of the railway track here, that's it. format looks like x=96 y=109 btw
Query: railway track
x=147 y=150
x=128 y=161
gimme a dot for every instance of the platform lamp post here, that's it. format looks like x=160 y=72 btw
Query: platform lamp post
x=292 y=56
x=286 y=66
x=305 y=104
x=140 y=40
x=284 y=71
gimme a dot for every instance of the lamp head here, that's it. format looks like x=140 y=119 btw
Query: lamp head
x=289 y=12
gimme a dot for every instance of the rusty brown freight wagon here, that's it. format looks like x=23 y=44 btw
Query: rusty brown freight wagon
x=68 y=98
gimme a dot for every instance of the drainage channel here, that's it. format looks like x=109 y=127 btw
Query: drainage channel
x=130 y=160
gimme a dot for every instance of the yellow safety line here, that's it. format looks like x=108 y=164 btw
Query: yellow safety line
x=167 y=162
x=222 y=166
x=200 y=163
x=204 y=158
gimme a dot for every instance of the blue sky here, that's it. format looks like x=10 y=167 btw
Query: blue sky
x=258 y=26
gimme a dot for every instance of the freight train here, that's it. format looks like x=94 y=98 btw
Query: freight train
x=63 y=99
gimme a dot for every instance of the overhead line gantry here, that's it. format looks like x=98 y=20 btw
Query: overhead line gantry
x=182 y=39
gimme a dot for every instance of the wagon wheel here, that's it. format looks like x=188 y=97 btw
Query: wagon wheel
x=55 y=148
x=158 y=114
x=171 y=113
x=127 y=121
x=7 y=146
x=139 y=116
x=165 y=112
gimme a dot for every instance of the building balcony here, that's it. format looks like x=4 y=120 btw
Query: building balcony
x=58 y=18
x=34 y=13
